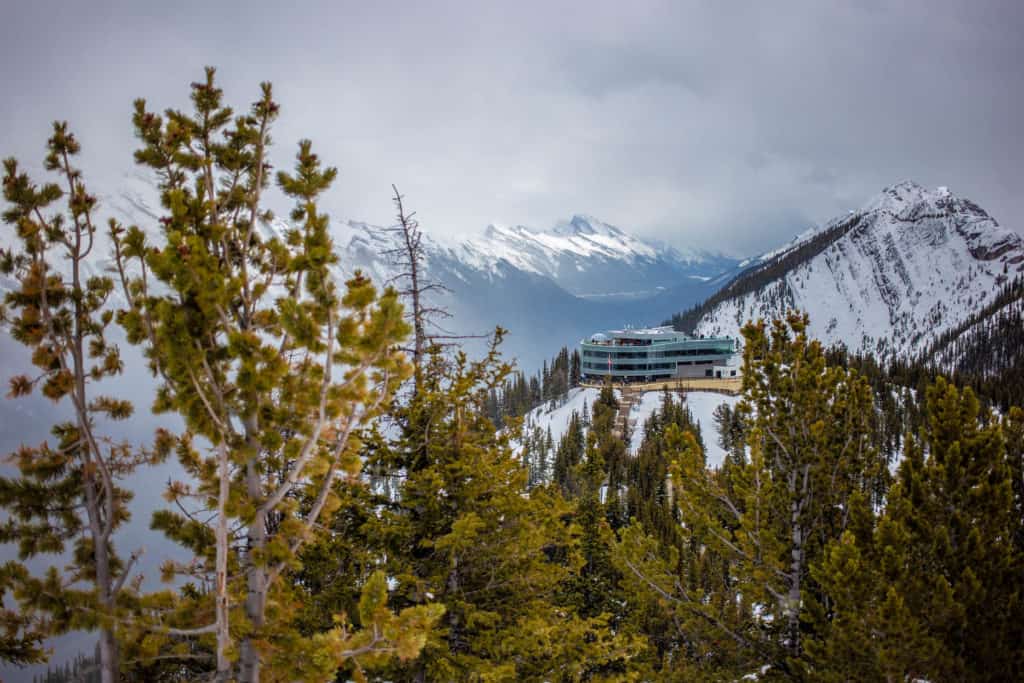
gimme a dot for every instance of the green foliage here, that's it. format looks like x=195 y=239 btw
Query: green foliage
x=463 y=531
x=734 y=576
x=914 y=591
x=263 y=355
x=67 y=496
x=519 y=394
x=22 y=634
x=449 y=556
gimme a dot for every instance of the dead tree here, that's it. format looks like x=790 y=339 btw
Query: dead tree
x=415 y=287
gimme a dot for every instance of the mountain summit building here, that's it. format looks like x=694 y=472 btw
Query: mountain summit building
x=657 y=353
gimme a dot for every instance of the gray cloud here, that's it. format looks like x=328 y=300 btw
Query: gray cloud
x=697 y=123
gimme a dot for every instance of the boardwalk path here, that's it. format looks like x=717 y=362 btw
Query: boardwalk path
x=631 y=393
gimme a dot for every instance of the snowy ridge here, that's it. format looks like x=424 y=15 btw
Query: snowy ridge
x=910 y=265
x=587 y=273
x=578 y=246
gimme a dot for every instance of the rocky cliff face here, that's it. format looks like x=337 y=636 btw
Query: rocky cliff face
x=890 y=278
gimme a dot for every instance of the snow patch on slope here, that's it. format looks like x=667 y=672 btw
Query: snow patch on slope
x=648 y=404
x=917 y=262
x=558 y=419
x=702 y=406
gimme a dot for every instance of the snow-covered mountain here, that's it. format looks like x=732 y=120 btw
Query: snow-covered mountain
x=583 y=256
x=890 y=278
x=588 y=274
x=591 y=259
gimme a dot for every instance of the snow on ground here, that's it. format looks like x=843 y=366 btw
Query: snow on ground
x=642 y=409
x=702 y=405
x=558 y=419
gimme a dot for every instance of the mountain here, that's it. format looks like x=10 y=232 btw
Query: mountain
x=892 y=278
x=591 y=259
x=587 y=274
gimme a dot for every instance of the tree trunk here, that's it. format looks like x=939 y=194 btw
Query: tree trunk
x=417 y=323
x=109 y=666
x=256 y=579
x=221 y=597
x=99 y=527
x=795 y=569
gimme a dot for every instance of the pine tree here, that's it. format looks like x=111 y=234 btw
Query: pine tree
x=683 y=589
x=753 y=529
x=466 y=533
x=267 y=361
x=22 y=636
x=69 y=493
x=809 y=434
x=568 y=456
x=932 y=590
x=595 y=591
x=574 y=372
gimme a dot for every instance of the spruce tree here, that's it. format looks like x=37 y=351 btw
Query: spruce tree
x=465 y=532
x=753 y=529
x=932 y=590
x=568 y=456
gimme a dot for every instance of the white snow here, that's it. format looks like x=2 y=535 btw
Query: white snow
x=918 y=263
x=580 y=241
x=558 y=419
x=642 y=409
x=702 y=405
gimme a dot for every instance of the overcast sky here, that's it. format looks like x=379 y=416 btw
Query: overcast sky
x=697 y=123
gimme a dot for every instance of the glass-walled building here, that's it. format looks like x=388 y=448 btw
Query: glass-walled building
x=648 y=355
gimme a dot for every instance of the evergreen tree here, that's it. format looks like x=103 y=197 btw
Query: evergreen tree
x=465 y=532
x=683 y=588
x=68 y=493
x=568 y=456
x=268 y=362
x=21 y=640
x=574 y=371
x=752 y=530
x=933 y=589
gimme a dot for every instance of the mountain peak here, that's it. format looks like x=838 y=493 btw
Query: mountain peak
x=891 y=278
x=908 y=195
x=583 y=224
x=906 y=186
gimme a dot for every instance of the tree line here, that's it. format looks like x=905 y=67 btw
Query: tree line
x=521 y=393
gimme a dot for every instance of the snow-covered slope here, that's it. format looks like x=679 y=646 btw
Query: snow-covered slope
x=589 y=258
x=702 y=405
x=887 y=279
x=557 y=420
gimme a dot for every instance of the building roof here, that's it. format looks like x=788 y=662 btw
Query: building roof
x=656 y=335
x=645 y=332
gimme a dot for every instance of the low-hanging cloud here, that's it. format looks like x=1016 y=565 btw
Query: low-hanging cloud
x=702 y=124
